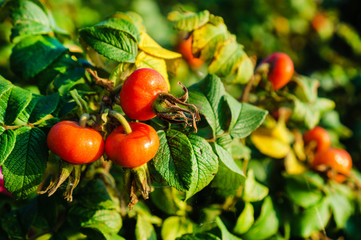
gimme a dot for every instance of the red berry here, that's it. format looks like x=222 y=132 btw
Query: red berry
x=134 y=149
x=140 y=91
x=75 y=144
x=320 y=136
x=281 y=69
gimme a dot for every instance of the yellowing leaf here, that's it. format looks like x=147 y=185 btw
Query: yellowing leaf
x=230 y=59
x=188 y=21
x=151 y=47
x=292 y=165
x=206 y=38
x=273 y=142
x=227 y=55
x=147 y=61
x=298 y=146
x=132 y=17
x=281 y=132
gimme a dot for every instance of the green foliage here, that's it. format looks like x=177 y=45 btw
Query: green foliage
x=185 y=162
x=34 y=54
x=114 y=38
x=210 y=182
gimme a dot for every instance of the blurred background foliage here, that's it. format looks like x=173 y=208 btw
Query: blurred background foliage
x=322 y=37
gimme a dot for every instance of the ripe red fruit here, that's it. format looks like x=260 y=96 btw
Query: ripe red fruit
x=185 y=48
x=134 y=149
x=338 y=160
x=320 y=136
x=281 y=69
x=139 y=92
x=75 y=144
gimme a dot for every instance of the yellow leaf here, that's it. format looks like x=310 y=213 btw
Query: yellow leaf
x=292 y=165
x=273 y=142
x=147 y=61
x=298 y=146
x=282 y=133
x=151 y=47
x=268 y=144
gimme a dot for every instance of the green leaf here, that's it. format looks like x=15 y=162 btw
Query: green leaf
x=245 y=219
x=45 y=105
x=245 y=118
x=12 y=226
x=122 y=25
x=206 y=164
x=342 y=208
x=188 y=21
x=253 y=191
x=175 y=226
x=24 y=168
x=166 y=199
x=7 y=143
x=198 y=236
x=104 y=221
x=18 y=101
x=33 y=54
x=94 y=195
x=174 y=159
x=5 y=91
x=312 y=219
x=144 y=230
x=29 y=18
x=227 y=159
x=116 y=44
x=310 y=112
x=266 y=224
x=230 y=176
x=306 y=89
x=186 y=163
x=304 y=189
x=225 y=233
x=207 y=95
x=65 y=72
x=141 y=209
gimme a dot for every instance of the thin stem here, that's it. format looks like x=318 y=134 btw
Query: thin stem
x=83 y=119
x=108 y=84
x=121 y=120
x=18 y=126
x=247 y=90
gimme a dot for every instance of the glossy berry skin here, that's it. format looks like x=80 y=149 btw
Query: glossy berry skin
x=139 y=92
x=281 y=69
x=320 y=136
x=337 y=159
x=75 y=144
x=134 y=149
x=185 y=48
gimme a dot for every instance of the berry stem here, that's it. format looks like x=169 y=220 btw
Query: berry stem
x=83 y=119
x=82 y=104
x=121 y=120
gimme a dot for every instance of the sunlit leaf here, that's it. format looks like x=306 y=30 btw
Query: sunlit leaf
x=151 y=47
x=293 y=165
x=188 y=21
x=245 y=219
x=273 y=142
